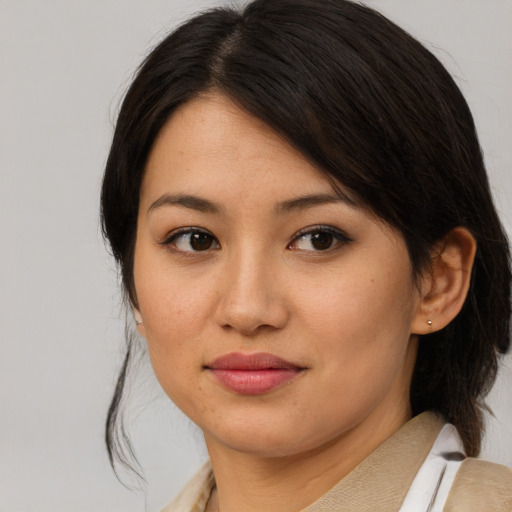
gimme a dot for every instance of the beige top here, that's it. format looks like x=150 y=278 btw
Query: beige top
x=381 y=481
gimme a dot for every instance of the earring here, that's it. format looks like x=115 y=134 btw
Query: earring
x=137 y=317
x=429 y=322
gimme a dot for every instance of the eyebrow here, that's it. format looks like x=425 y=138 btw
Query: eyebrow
x=308 y=201
x=205 y=206
x=186 y=201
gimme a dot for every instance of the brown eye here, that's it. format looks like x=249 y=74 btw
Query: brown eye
x=192 y=240
x=201 y=241
x=319 y=239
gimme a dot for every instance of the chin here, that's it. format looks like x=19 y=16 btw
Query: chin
x=263 y=445
x=270 y=439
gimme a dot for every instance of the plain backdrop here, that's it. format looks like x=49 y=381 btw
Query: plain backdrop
x=64 y=65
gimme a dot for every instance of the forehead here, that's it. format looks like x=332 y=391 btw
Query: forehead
x=211 y=145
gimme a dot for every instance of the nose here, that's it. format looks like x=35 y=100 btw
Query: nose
x=251 y=300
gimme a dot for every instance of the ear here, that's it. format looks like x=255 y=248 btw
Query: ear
x=444 y=288
x=138 y=321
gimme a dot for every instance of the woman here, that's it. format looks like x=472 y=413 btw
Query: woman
x=298 y=203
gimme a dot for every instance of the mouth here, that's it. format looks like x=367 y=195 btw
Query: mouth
x=253 y=374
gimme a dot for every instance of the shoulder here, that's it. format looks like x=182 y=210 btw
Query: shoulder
x=194 y=496
x=481 y=486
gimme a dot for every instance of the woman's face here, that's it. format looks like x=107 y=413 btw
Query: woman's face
x=277 y=314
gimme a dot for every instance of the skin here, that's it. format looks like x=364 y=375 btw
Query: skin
x=348 y=315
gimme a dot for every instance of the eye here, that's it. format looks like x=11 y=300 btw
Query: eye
x=317 y=239
x=191 y=240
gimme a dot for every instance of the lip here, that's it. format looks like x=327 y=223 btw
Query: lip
x=253 y=374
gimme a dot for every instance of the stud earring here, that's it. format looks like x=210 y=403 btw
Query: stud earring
x=139 y=322
x=429 y=322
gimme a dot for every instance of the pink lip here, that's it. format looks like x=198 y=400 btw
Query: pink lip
x=253 y=374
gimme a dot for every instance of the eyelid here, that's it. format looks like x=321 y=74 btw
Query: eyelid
x=337 y=233
x=176 y=233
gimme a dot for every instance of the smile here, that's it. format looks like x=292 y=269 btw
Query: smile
x=253 y=374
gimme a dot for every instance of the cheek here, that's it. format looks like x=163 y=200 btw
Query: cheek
x=173 y=312
x=358 y=300
x=170 y=301
x=361 y=322
x=171 y=324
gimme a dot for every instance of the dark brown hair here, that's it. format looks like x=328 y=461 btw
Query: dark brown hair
x=375 y=111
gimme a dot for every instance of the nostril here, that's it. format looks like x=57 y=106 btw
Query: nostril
x=253 y=320
x=249 y=301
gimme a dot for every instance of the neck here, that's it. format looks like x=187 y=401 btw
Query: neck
x=290 y=483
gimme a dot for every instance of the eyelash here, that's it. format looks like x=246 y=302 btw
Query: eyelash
x=181 y=232
x=338 y=237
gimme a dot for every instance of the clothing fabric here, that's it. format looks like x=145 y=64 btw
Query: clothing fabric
x=421 y=468
x=434 y=480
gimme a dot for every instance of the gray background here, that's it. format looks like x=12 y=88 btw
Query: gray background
x=64 y=65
